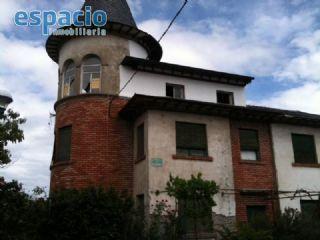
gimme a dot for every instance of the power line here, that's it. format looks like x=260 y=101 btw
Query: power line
x=159 y=40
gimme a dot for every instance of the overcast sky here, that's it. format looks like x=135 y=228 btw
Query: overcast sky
x=275 y=41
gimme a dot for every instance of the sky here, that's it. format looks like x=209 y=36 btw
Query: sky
x=275 y=41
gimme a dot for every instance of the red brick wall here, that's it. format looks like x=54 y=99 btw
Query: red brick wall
x=258 y=175
x=102 y=147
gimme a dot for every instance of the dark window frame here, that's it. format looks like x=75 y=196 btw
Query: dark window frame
x=141 y=154
x=261 y=208
x=230 y=95
x=175 y=86
x=256 y=149
x=59 y=149
x=189 y=150
x=307 y=209
x=315 y=160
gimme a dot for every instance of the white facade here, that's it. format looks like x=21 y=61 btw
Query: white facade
x=292 y=178
x=155 y=85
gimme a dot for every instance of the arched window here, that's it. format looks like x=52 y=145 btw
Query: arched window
x=91 y=75
x=68 y=86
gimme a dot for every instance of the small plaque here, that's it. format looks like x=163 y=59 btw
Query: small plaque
x=157 y=162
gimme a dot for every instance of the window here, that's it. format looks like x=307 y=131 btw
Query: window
x=309 y=207
x=249 y=144
x=191 y=139
x=91 y=75
x=140 y=204
x=304 y=148
x=254 y=212
x=225 y=97
x=140 y=142
x=175 y=91
x=64 y=144
x=68 y=86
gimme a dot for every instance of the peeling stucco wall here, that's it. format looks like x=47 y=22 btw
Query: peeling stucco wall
x=161 y=144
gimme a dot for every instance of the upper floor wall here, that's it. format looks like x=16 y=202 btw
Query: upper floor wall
x=156 y=85
x=103 y=75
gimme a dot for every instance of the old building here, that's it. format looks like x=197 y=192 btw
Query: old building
x=171 y=119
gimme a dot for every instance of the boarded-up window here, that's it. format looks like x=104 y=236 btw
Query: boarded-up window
x=140 y=142
x=249 y=144
x=64 y=144
x=304 y=148
x=256 y=212
x=191 y=139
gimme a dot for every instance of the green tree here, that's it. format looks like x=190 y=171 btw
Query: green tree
x=10 y=132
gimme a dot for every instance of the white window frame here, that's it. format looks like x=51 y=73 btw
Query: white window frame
x=64 y=78
x=82 y=73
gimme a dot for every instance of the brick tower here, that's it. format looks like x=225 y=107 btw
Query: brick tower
x=93 y=145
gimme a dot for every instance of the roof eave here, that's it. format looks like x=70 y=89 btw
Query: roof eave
x=141 y=103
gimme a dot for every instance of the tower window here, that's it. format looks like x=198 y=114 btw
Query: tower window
x=68 y=86
x=91 y=75
x=249 y=144
x=175 y=91
x=304 y=148
x=225 y=97
x=63 y=144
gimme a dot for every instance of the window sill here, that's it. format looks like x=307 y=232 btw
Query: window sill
x=252 y=162
x=59 y=164
x=306 y=165
x=140 y=159
x=192 y=158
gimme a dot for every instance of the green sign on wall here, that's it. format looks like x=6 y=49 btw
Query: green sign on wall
x=157 y=162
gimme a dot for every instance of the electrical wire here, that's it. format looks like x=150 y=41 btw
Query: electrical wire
x=159 y=40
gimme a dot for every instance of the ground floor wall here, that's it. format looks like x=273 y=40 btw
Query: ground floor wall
x=161 y=160
x=291 y=176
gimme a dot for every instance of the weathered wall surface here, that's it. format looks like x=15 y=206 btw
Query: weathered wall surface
x=110 y=49
x=253 y=175
x=155 y=85
x=291 y=178
x=162 y=144
x=98 y=155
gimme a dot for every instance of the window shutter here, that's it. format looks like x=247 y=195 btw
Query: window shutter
x=64 y=144
x=304 y=148
x=249 y=139
x=140 y=142
x=191 y=136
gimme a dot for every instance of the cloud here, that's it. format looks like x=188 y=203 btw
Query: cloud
x=305 y=66
x=29 y=74
x=135 y=6
x=305 y=98
x=7 y=11
x=221 y=48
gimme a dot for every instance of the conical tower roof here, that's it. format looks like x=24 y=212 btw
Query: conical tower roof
x=117 y=10
x=120 y=23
